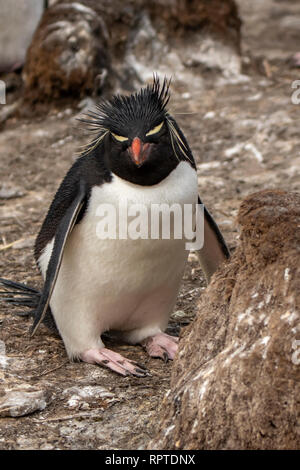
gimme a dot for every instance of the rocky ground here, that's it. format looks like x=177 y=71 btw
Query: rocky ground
x=244 y=133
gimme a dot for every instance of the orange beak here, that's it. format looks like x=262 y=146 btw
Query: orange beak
x=139 y=151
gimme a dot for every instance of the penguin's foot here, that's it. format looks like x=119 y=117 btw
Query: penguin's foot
x=114 y=361
x=161 y=345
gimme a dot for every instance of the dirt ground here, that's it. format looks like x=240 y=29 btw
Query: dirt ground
x=245 y=137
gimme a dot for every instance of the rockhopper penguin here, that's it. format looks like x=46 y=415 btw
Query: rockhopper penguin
x=93 y=285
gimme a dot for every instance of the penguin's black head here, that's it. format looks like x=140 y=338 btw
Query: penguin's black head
x=139 y=141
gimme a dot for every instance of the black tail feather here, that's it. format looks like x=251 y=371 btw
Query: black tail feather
x=18 y=286
x=16 y=293
x=19 y=294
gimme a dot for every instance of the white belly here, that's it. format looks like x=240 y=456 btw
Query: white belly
x=128 y=285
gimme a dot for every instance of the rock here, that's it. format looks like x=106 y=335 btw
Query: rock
x=17 y=403
x=235 y=381
x=9 y=192
x=89 y=394
x=68 y=55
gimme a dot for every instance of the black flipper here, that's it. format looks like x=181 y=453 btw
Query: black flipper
x=214 y=250
x=64 y=229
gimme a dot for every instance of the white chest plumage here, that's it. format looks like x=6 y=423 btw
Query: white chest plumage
x=128 y=285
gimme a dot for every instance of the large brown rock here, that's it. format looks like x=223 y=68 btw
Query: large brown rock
x=235 y=382
x=68 y=54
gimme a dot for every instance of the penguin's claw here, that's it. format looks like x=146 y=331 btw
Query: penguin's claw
x=161 y=345
x=114 y=361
